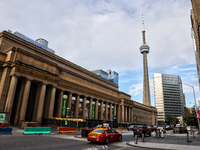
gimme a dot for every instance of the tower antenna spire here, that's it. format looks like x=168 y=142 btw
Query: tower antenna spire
x=143 y=30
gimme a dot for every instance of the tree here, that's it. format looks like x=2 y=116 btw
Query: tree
x=169 y=119
x=191 y=120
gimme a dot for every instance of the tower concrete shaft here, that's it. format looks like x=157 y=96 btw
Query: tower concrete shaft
x=146 y=92
x=144 y=49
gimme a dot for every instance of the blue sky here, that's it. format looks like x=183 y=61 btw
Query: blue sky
x=107 y=34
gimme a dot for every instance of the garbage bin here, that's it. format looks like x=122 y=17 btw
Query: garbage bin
x=85 y=132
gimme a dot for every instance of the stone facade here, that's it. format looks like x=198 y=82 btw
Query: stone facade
x=33 y=82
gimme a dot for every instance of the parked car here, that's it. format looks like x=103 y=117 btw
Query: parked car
x=130 y=128
x=168 y=128
x=161 y=129
x=104 y=135
x=154 y=128
x=139 y=130
x=181 y=128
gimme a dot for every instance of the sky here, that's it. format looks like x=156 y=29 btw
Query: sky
x=107 y=34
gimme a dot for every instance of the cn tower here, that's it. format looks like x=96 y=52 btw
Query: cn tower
x=144 y=49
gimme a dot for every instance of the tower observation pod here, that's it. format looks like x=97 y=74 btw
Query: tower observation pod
x=144 y=49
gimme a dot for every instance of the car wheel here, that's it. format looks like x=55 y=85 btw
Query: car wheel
x=120 y=138
x=107 y=141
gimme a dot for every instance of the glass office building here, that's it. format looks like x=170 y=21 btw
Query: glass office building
x=168 y=96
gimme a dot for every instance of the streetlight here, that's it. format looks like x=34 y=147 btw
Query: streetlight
x=195 y=105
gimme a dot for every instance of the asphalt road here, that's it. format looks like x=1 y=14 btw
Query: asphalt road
x=56 y=141
x=60 y=142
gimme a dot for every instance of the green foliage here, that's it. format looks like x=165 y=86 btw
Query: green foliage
x=191 y=120
x=170 y=119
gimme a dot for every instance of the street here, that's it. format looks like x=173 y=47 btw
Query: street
x=69 y=142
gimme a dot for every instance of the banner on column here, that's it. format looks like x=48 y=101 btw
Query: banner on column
x=108 y=114
x=112 y=114
x=87 y=109
x=104 y=111
x=64 y=106
x=99 y=111
x=80 y=108
x=73 y=107
x=93 y=111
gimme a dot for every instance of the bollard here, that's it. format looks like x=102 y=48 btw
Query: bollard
x=193 y=133
x=162 y=134
x=142 y=137
x=188 y=137
x=154 y=134
x=136 y=139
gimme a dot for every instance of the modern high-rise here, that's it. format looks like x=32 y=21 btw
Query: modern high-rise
x=168 y=96
x=144 y=50
x=195 y=19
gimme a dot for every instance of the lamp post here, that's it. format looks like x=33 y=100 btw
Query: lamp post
x=195 y=106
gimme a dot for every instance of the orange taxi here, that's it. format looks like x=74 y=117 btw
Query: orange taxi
x=104 y=135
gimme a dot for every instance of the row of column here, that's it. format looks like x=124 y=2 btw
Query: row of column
x=45 y=101
x=91 y=100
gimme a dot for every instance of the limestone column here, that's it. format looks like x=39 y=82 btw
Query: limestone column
x=11 y=94
x=36 y=102
x=125 y=114
x=152 y=115
x=24 y=102
x=122 y=113
x=90 y=108
x=4 y=87
x=115 y=110
x=52 y=100
x=96 y=109
x=69 y=100
x=19 y=102
x=41 y=104
x=84 y=107
x=101 y=110
x=77 y=105
x=129 y=114
x=106 y=111
x=110 y=111
x=69 y=103
x=59 y=107
x=119 y=114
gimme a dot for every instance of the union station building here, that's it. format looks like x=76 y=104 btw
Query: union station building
x=36 y=84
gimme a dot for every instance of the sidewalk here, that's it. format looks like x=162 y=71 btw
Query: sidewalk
x=174 y=142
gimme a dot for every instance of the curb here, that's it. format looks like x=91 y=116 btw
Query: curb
x=76 y=136
x=143 y=146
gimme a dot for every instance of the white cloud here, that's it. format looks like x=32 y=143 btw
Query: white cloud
x=107 y=34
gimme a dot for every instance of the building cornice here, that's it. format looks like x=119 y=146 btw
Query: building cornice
x=53 y=56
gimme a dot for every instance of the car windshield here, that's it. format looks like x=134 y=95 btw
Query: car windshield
x=99 y=126
x=98 y=131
